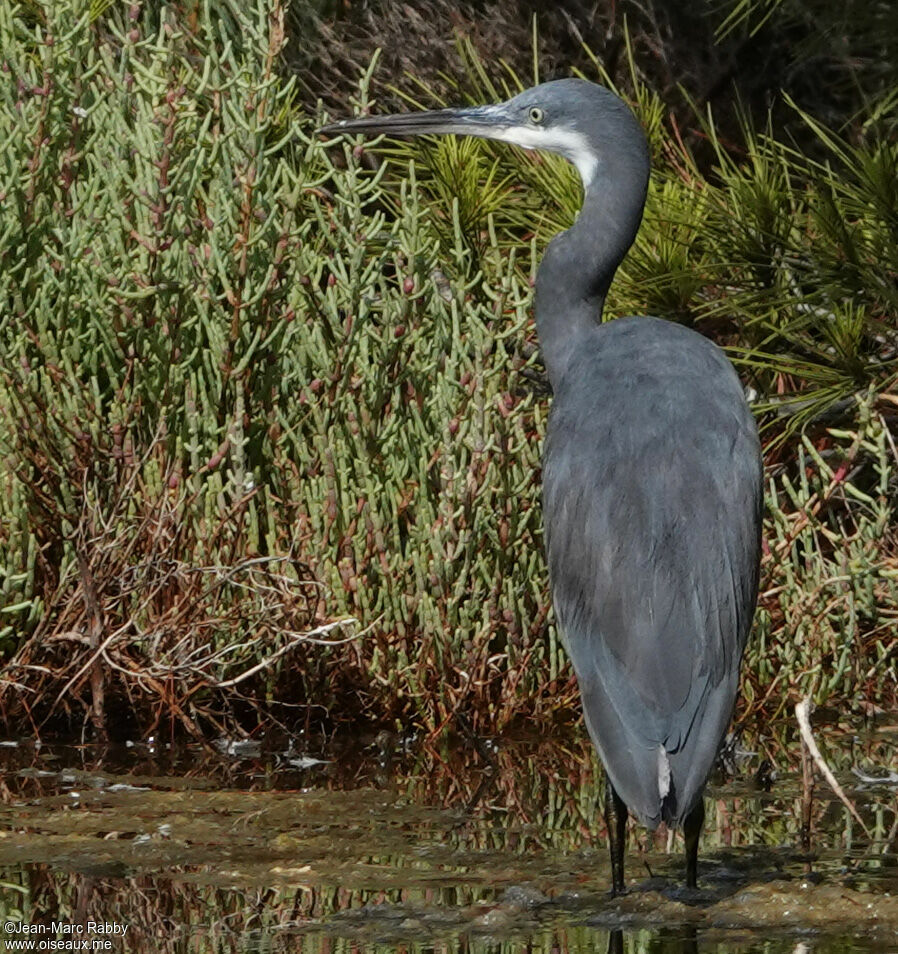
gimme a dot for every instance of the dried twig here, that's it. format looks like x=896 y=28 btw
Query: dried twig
x=298 y=638
x=890 y=778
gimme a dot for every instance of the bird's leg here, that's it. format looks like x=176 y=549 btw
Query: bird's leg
x=615 y=942
x=692 y=828
x=616 y=822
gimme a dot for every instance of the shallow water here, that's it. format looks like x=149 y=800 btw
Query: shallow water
x=391 y=844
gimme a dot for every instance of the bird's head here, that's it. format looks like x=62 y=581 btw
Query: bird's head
x=579 y=120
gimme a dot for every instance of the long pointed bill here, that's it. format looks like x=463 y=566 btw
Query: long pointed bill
x=487 y=122
x=501 y=121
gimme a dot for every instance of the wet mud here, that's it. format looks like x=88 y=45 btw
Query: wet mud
x=393 y=847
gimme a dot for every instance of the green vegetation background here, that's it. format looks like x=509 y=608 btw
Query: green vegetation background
x=271 y=408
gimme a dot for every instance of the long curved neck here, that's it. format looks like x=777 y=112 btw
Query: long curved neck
x=578 y=266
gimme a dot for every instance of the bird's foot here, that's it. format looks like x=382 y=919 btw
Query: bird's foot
x=689 y=895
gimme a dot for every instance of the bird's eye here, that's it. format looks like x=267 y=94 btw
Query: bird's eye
x=536 y=114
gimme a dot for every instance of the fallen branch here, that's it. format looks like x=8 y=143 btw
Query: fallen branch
x=802 y=714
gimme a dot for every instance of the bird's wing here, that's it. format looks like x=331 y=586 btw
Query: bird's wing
x=652 y=526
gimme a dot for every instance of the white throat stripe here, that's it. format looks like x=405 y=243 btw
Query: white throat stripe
x=566 y=142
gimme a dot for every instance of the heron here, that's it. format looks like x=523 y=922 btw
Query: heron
x=652 y=481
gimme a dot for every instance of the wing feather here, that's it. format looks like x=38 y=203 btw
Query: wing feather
x=652 y=503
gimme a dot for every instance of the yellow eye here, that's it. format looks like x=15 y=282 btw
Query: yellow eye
x=536 y=115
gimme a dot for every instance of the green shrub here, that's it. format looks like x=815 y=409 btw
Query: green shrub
x=214 y=355
x=254 y=385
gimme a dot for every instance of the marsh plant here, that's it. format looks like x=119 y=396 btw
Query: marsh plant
x=272 y=407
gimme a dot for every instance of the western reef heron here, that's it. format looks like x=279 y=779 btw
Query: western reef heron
x=652 y=478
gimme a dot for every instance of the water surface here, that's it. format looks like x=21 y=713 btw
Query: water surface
x=391 y=844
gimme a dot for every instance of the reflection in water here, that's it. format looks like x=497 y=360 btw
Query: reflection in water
x=498 y=849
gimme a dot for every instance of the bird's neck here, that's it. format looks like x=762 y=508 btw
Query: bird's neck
x=579 y=264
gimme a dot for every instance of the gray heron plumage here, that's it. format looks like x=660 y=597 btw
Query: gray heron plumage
x=652 y=477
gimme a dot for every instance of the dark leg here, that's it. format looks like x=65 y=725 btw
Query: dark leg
x=692 y=828
x=616 y=942
x=616 y=820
